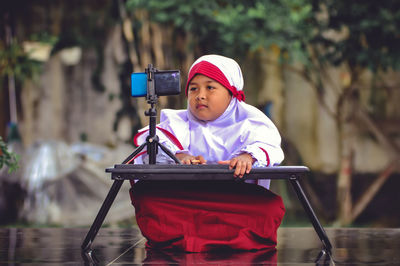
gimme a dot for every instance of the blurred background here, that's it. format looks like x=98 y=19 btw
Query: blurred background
x=326 y=72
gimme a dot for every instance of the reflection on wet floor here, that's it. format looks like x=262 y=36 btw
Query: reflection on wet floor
x=57 y=246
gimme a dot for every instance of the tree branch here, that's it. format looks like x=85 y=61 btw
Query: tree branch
x=373 y=189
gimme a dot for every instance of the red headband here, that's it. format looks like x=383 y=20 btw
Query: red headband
x=207 y=69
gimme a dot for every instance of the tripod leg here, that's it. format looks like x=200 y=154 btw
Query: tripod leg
x=169 y=153
x=134 y=153
x=310 y=212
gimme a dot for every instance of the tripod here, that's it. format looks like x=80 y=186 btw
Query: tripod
x=152 y=143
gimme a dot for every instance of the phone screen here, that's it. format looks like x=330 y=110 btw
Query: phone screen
x=168 y=82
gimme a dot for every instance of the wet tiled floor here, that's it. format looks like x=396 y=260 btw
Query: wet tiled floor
x=116 y=246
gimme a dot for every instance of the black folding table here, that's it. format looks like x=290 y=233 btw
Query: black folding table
x=122 y=172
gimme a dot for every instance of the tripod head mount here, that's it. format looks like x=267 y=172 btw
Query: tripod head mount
x=151 y=96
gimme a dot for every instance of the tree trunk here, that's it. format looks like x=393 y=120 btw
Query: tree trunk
x=344 y=198
x=159 y=62
x=347 y=130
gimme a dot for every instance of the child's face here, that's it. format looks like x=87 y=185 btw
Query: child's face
x=207 y=98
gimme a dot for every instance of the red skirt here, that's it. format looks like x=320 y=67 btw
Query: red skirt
x=197 y=216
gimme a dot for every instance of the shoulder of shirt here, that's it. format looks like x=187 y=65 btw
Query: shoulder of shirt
x=173 y=115
x=250 y=111
x=253 y=115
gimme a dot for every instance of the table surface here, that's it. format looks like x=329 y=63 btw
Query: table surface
x=200 y=172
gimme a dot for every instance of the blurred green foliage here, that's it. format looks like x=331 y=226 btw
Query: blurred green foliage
x=373 y=37
x=235 y=27
x=8 y=158
x=14 y=61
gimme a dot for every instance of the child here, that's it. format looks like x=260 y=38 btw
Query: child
x=217 y=127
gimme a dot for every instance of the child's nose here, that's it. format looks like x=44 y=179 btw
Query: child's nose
x=202 y=94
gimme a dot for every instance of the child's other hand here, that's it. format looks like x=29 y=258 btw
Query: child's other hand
x=190 y=159
x=241 y=163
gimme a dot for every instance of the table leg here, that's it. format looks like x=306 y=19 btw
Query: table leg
x=310 y=212
x=101 y=215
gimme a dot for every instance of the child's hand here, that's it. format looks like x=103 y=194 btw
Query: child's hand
x=241 y=163
x=190 y=159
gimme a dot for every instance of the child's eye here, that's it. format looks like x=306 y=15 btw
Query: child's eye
x=192 y=88
x=210 y=87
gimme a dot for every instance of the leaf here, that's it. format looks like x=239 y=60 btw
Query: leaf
x=8 y=158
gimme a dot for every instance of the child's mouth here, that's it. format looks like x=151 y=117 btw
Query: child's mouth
x=201 y=106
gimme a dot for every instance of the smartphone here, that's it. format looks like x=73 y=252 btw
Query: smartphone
x=165 y=82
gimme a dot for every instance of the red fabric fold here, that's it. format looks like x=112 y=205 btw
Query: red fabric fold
x=197 y=216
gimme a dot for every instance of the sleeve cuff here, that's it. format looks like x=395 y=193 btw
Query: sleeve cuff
x=261 y=155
